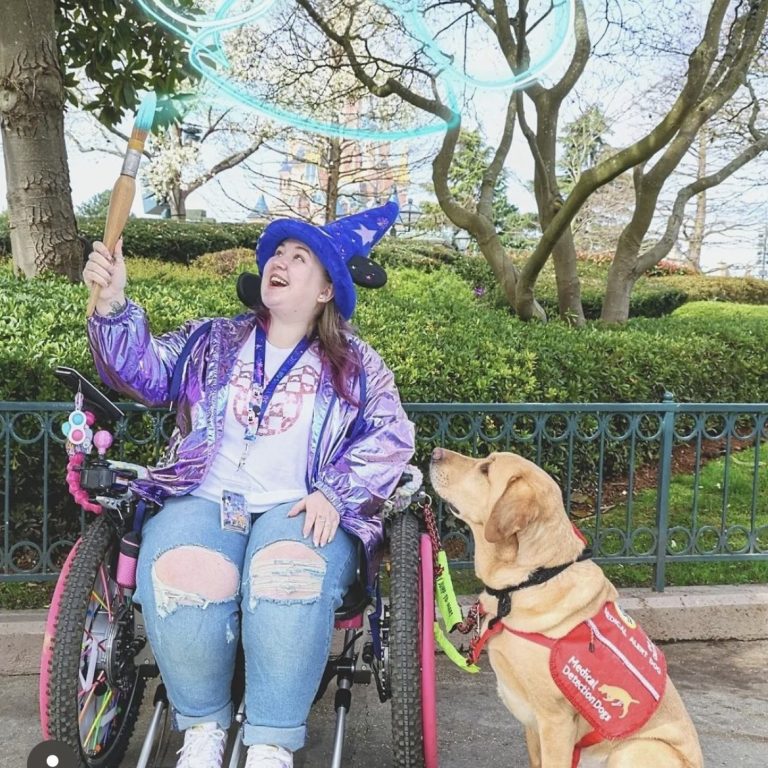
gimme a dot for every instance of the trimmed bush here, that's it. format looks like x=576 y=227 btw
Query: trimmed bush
x=743 y=290
x=177 y=241
x=444 y=343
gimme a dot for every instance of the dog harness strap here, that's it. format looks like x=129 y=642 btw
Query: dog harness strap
x=504 y=597
x=495 y=627
x=476 y=646
x=588 y=740
x=539 y=576
x=534 y=637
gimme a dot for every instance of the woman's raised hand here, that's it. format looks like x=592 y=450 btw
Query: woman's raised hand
x=109 y=273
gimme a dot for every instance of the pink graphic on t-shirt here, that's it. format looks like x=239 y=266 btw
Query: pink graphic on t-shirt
x=240 y=383
x=285 y=407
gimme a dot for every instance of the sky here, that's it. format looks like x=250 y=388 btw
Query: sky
x=92 y=172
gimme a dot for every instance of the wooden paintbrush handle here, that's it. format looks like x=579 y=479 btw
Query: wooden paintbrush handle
x=120 y=203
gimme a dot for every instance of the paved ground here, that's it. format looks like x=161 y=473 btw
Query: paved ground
x=724 y=685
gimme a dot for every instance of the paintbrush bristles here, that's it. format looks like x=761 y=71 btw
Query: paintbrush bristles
x=146 y=114
x=142 y=125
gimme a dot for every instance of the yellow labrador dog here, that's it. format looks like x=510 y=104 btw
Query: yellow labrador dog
x=523 y=537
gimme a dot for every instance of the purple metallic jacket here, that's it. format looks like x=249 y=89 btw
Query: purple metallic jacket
x=355 y=472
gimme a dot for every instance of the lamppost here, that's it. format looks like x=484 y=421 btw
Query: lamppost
x=409 y=215
x=461 y=238
x=762 y=253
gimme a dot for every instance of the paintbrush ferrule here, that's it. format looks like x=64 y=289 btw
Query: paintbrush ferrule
x=131 y=162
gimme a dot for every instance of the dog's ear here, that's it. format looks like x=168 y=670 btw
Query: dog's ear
x=514 y=510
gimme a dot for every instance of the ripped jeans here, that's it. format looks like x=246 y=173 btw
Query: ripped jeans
x=197 y=583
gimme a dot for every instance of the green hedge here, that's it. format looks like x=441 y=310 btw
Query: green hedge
x=184 y=242
x=444 y=343
x=176 y=241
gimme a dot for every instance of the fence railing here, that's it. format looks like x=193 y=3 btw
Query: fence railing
x=647 y=483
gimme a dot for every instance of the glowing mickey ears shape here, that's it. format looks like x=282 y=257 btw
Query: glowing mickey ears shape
x=207 y=56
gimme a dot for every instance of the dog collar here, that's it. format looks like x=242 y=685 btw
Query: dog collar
x=539 y=576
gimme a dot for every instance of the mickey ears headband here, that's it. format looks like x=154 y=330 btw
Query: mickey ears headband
x=366 y=273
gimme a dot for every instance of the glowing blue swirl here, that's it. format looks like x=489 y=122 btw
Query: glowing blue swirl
x=563 y=11
x=207 y=56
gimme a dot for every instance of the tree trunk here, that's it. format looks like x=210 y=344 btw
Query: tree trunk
x=619 y=285
x=177 y=203
x=567 y=280
x=42 y=221
x=700 y=218
x=334 y=176
x=548 y=202
x=543 y=146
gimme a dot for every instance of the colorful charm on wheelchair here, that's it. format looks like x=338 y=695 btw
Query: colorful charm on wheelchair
x=77 y=428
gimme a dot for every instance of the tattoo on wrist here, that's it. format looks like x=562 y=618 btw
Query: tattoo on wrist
x=115 y=308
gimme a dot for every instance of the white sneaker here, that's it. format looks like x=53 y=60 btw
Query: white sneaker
x=268 y=756
x=203 y=747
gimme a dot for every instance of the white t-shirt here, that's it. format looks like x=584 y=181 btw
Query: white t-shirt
x=275 y=466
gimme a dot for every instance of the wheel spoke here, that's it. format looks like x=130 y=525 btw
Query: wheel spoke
x=106 y=593
x=96 y=725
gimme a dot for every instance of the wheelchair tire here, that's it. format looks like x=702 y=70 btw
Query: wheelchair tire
x=93 y=691
x=410 y=642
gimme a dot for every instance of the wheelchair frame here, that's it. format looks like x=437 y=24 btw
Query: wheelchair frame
x=91 y=687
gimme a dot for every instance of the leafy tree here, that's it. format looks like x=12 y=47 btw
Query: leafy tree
x=717 y=63
x=597 y=226
x=583 y=142
x=98 y=205
x=46 y=48
x=465 y=181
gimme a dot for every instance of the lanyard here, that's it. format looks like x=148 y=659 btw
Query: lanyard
x=261 y=396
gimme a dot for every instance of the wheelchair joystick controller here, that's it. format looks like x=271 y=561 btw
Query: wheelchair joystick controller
x=128 y=555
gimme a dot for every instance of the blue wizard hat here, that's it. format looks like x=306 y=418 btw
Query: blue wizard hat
x=342 y=247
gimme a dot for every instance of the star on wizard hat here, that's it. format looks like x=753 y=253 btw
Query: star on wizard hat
x=342 y=247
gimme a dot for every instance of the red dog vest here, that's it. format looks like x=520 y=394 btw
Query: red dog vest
x=609 y=670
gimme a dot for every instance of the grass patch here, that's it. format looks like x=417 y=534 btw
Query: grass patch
x=711 y=512
x=689 y=574
x=18 y=595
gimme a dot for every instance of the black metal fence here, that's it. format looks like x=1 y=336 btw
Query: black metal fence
x=647 y=483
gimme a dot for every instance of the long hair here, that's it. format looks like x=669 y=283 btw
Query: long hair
x=336 y=351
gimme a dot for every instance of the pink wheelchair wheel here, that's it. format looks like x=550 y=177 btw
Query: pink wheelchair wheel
x=427 y=653
x=50 y=630
x=90 y=689
x=410 y=657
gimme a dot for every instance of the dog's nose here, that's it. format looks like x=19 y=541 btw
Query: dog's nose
x=437 y=454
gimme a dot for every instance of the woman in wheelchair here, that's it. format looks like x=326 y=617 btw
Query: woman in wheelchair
x=289 y=436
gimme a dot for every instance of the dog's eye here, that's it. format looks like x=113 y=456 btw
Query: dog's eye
x=485 y=466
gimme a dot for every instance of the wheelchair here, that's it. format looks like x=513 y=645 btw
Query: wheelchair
x=92 y=681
